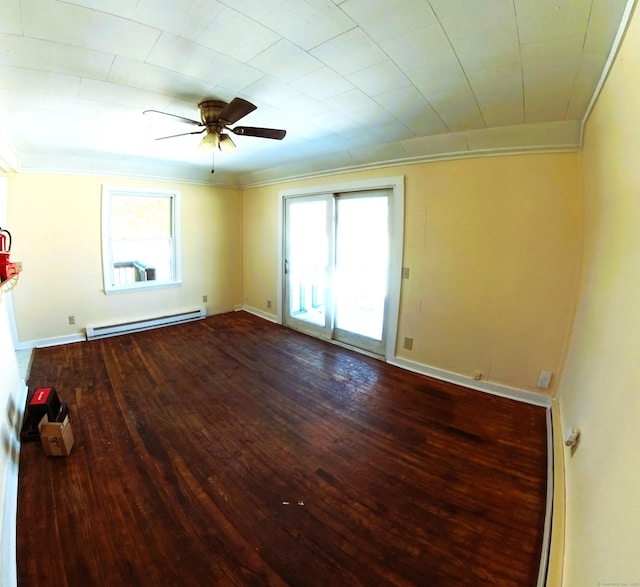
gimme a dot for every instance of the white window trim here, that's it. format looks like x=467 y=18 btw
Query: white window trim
x=107 y=260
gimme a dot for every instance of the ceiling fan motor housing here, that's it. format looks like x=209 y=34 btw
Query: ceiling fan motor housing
x=210 y=111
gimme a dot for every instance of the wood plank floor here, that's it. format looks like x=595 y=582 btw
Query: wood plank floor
x=232 y=451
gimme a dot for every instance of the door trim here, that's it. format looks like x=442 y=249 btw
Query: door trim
x=396 y=241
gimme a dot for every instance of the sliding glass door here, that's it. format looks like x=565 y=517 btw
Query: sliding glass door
x=336 y=266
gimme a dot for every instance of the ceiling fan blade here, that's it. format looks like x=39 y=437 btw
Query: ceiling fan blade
x=235 y=110
x=180 y=118
x=256 y=131
x=182 y=134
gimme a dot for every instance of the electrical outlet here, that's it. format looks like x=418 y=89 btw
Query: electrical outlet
x=268 y=303
x=19 y=265
x=205 y=299
x=477 y=375
x=545 y=379
x=405 y=273
x=408 y=343
x=72 y=319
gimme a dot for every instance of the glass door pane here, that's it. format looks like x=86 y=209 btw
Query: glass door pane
x=362 y=253
x=307 y=263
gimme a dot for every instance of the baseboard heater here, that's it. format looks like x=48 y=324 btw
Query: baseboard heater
x=95 y=332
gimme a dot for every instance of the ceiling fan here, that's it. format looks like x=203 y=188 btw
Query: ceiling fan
x=215 y=118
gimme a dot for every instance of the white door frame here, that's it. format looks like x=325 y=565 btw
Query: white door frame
x=396 y=241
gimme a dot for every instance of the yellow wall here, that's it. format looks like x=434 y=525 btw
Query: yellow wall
x=259 y=252
x=55 y=224
x=600 y=390
x=493 y=248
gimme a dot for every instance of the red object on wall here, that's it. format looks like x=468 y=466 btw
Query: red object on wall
x=7 y=268
x=5 y=240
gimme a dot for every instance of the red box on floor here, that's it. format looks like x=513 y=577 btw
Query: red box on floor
x=45 y=401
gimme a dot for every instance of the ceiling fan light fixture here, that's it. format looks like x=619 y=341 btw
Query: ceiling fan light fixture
x=226 y=144
x=209 y=143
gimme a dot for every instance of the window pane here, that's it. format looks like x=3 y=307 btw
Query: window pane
x=307 y=259
x=138 y=239
x=140 y=217
x=154 y=254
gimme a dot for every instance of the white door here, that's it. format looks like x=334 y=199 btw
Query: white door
x=336 y=267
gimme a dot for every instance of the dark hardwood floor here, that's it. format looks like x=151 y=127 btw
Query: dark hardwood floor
x=232 y=451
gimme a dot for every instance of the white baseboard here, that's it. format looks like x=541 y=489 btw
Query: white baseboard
x=260 y=313
x=46 y=342
x=522 y=395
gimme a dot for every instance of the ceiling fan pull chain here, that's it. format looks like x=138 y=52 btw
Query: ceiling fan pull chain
x=213 y=160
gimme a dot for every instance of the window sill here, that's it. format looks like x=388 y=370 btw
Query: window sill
x=144 y=286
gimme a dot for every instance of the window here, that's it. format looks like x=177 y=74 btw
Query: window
x=140 y=238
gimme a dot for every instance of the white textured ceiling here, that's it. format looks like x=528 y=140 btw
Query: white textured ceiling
x=354 y=82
